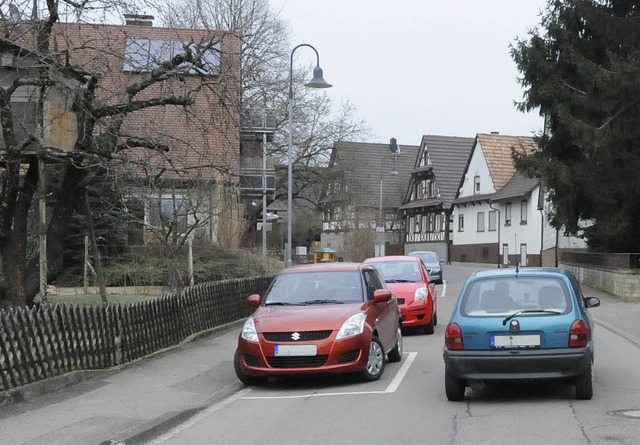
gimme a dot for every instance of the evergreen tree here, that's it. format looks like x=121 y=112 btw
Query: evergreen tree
x=581 y=69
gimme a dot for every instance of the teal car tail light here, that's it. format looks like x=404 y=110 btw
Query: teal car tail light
x=453 y=337
x=579 y=334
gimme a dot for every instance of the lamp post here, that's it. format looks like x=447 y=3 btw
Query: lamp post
x=317 y=82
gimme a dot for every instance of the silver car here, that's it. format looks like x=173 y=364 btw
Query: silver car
x=433 y=263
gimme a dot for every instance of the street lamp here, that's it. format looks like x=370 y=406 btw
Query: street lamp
x=317 y=82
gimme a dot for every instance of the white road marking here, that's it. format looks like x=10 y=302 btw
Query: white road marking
x=393 y=386
x=198 y=417
x=401 y=373
x=444 y=289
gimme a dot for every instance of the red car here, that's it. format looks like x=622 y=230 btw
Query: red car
x=407 y=277
x=321 y=318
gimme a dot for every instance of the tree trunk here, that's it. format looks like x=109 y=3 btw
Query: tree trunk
x=96 y=252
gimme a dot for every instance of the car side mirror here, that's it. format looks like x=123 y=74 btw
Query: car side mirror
x=592 y=302
x=253 y=300
x=381 y=295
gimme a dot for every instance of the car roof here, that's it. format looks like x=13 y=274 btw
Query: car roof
x=522 y=271
x=380 y=259
x=323 y=267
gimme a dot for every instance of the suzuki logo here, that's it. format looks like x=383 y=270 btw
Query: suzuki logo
x=295 y=336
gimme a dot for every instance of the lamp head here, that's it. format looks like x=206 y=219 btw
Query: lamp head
x=318 y=80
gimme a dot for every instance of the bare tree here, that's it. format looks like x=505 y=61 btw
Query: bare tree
x=115 y=125
x=266 y=50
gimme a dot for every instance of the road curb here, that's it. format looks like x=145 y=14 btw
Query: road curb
x=166 y=422
x=32 y=390
x=629 y=337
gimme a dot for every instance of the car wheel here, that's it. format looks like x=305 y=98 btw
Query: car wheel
x=395 y=355
x=429 y=328
x=375 y=362
x=584 y=384
x=248 y=380
x=454 y=387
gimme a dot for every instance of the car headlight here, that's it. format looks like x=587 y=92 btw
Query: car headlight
x=249 y=331
x=353 y=325
x=421 y=294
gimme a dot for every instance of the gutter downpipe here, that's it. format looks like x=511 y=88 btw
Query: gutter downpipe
x=498 y=224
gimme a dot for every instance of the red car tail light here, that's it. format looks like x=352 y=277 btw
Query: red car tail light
x=453 y=337
x=579 y=334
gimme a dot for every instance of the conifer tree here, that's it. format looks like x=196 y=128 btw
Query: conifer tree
x=581 y=69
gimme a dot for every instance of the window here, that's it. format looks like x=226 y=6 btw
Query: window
x=144 y=55
x=507 y=214
x=476 y=184
x=480 y=221
x=523 y=211
x=417 y=228
x=460 y=223
x=170 y=212
x=493 y=220
x=424 y=190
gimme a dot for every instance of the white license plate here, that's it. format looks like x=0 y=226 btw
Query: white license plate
x=515 y=341
x=290 y=350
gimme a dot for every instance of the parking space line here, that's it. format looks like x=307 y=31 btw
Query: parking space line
x=401 y=373
x=393 y=386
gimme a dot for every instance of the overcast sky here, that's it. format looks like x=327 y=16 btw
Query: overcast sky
x=416 y=67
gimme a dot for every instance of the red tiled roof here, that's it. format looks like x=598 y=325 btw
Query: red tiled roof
x=497 y=152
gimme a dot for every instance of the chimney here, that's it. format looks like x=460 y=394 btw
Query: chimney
x=138 y=19
x=495 y=132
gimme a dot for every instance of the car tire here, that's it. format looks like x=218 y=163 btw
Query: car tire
x=584 y=384
x=454 y=387
x=429 y=328
x=248 y=380
x=375 y=361
x=435 y=319
x=395 y=355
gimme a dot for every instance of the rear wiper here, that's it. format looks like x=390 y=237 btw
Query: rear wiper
x=280 y=303
x=398 y=281
x=322 y=302
x=529 y=311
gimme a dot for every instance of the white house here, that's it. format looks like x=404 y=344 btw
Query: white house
x=499 y=216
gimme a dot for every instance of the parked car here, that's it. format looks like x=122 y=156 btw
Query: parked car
x=320 y=318
x=520 y=324
x=407 y=277
x=433 y=263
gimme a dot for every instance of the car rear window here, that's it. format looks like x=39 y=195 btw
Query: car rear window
x=503 y=296
x=399 y=271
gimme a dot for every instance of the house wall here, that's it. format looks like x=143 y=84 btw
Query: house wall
x=203 y=138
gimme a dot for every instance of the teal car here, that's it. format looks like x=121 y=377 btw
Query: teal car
x=521 y=324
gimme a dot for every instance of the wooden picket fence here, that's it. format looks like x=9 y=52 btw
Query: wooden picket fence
x=46 y=341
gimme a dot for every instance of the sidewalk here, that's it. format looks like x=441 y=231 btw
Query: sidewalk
x=132 y=404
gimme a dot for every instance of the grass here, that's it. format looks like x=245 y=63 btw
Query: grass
x=94 y=299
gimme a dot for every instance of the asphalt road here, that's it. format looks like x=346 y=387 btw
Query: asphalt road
x=189 y=395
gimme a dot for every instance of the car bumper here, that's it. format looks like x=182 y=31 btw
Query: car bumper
x=518 y=364
x=435 y=276
x=333 y=357
x=415 y=314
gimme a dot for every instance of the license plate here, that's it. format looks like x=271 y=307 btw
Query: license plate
x=297 y=350
x=515 y=341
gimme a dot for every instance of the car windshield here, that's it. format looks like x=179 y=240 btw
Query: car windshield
x=304 y=288
x=504 y=296
x=399 y=271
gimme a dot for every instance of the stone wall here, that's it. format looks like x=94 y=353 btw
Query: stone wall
x=623 y=283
